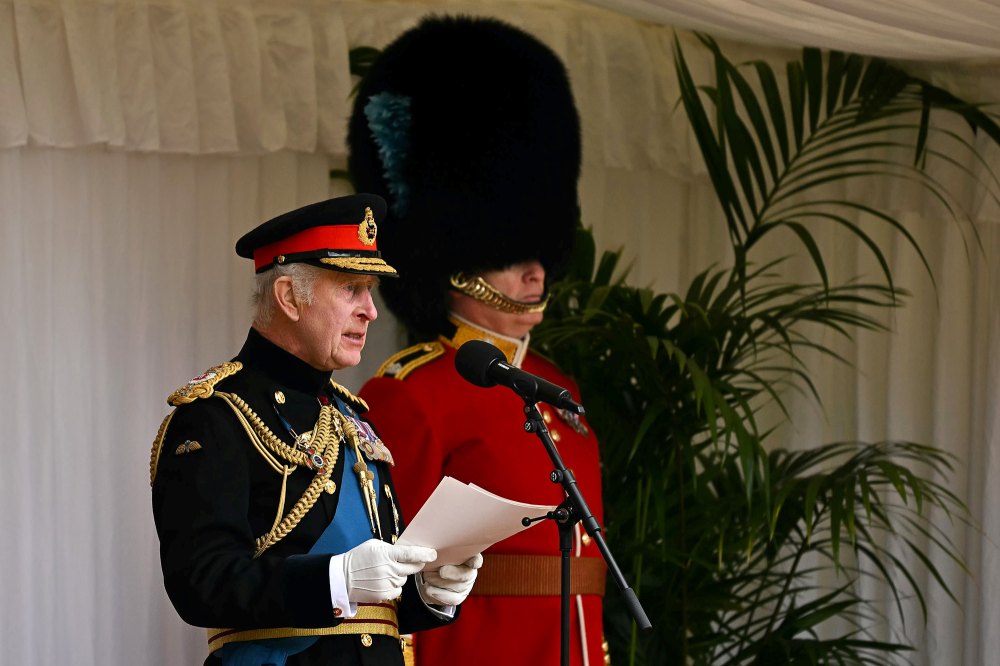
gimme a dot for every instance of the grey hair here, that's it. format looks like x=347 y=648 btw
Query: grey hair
x=303 y=279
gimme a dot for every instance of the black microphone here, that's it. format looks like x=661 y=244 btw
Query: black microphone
x=482 y=364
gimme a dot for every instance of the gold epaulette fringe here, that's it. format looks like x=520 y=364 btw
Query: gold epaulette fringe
x=359 y=403
x=154 y=457
x=203 y=386
x=402 y=363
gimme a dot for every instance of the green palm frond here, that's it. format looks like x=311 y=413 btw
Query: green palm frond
x=716 y=528
x=742 y=553
x=769 y=148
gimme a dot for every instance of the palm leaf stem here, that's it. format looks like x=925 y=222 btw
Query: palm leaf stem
x=711 y=149
x=795 y=210
x=776 y=613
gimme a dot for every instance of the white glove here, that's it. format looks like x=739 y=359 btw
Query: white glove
x=375 y=570
x=451 y=584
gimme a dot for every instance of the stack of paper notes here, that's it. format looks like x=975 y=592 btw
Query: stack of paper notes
x=461 y=519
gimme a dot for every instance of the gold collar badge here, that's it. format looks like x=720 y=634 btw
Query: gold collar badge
x=367 y=229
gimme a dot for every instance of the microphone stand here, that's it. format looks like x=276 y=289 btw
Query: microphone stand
x=574 y=509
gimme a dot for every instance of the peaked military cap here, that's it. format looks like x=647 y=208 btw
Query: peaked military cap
x=338 y=234
x=468 y=128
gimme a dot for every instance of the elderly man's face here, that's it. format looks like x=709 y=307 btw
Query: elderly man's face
x=331 y=331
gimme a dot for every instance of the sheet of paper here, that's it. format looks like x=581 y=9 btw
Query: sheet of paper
x=461 y=519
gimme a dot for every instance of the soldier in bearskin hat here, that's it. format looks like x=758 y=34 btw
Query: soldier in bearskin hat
x=468 y=128
x=272 y=495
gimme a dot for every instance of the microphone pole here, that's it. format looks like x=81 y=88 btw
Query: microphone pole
x=572 y=510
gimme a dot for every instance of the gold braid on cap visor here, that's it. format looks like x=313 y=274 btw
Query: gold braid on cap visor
x=483 y=291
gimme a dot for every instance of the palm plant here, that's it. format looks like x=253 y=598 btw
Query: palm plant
x=743 y=553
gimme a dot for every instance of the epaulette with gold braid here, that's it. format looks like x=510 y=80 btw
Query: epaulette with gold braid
x=402 y=363
x=358 y=403
x=203 y=386
x=154 y=456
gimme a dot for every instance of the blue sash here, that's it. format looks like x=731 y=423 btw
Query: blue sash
x=350 y=526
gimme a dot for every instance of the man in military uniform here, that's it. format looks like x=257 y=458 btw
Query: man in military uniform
x=273 y=499
x=468 y=128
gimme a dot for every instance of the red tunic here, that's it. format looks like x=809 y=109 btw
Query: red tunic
x=436 y=424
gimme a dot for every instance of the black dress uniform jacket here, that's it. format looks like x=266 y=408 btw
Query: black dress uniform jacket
x=214 y=494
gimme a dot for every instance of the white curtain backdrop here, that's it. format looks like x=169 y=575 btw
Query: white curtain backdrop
x=120 y=282
x=139 y=139
x=913 y=29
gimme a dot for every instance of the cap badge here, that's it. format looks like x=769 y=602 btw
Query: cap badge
x=367 y=229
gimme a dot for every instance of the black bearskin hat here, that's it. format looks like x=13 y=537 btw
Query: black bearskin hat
x=467 y=127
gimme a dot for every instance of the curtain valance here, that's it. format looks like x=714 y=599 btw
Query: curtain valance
x=235 y=76
x=260 y=76
x=908 y=29
x=188 y=77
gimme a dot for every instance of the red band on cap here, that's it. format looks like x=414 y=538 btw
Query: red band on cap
x=342 y=237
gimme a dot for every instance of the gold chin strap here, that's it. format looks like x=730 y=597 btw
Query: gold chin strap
x=483 y=291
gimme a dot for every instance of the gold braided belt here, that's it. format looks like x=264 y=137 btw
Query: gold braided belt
x=538 y=575
x=370 y=619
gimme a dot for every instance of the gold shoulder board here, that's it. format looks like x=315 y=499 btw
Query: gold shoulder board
x=203 y=386
x=402 y=363
x=356 y=402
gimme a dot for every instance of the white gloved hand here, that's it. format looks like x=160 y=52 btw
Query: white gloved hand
x=451 y=584
x=375 y=570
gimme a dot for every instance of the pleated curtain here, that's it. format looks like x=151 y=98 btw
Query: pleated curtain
x=139 y=139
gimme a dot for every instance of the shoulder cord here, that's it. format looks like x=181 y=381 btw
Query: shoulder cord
x=329 y=433
x=284 y=470
x=252 y=433
x=331 y=422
